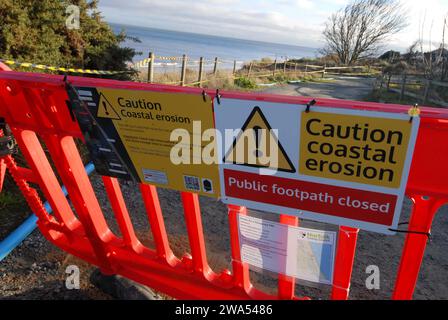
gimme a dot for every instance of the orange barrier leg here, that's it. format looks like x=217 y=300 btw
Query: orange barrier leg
x=156 y=222
x=240 y=269
x=286 y=284
x=195 y=231
x=121 y=212
x=423 y=213
x=345 y=256
x=2 y=172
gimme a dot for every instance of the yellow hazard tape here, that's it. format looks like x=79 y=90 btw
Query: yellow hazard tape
x=69 y=70
x=168 y=58
x=142 y=63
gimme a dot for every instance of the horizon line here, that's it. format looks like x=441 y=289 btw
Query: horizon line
x=212 y=35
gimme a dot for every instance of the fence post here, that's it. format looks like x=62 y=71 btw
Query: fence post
x=201 y=67
x=234 y=67
x=295 y=67
x=284 y=67
x=249 y=70
x=323 y=71
x=381 y=86
x=183 y=71
x=388 y=82
x=275 y=67
x=306 y=68
x=151 y=67
x=427 y=88
x=403 y=87
x=215 y=67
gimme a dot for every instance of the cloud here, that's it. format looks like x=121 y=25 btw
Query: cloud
x=259 y=21
x=298 y=22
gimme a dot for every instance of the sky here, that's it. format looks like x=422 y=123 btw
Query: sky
x=296 y=22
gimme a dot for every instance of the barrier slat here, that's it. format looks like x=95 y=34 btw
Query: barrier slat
x=195 y=232
x=35 y=156
x=240 y=269
x=423 y=212
x=286 y=284
x=157 y=224
x=345 y=256
x=121 y=212
x=69 y=165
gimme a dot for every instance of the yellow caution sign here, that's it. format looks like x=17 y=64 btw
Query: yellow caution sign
x=362 y=149
x=257 y=145
x=153 y=137
x=106 y=110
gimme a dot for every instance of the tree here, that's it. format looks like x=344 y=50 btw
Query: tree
x=35 y=31
x=357 y=31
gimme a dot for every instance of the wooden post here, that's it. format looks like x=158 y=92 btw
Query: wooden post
x=275 y=67
x=381 y=87
x=388 y=82
x=427 y=88
x=183 y=71
x=323 y=71
x=234 y=67
x=306 y=68
x=295 y=67
x=403 y=87
x=284 y=66
x=215 y=68
x=249 y=70
x=151 y=67
x=201 y=67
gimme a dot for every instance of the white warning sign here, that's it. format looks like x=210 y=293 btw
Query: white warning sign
x=303 y=253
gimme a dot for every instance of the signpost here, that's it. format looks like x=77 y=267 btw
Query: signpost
x=339 y=166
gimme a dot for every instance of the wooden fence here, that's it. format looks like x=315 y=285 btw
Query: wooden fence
x=250 y=70
x=415 y=86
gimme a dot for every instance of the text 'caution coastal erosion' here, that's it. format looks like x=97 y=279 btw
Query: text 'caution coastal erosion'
x=338 y=166
x=136 y=135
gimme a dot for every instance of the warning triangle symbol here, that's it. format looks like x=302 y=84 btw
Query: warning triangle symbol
x=257 y=146
x=106 y=110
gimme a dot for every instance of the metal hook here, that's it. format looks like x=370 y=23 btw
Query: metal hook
x=413 y=112
x=204 y=95
x=309 y=104
x=218 y=96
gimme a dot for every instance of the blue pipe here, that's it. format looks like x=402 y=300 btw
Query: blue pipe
x=16 y=237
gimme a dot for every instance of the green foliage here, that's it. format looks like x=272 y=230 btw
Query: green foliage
x=10 y=200
x=245 y=83
x=35 y=31
x=279 y=78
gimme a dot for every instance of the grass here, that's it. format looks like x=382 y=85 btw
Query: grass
x=13 y=207
x=385 y=96
x=245 y=83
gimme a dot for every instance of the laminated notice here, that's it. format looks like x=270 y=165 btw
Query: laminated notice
x=303 y=253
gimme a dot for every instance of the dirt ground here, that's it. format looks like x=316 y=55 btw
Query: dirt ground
x=36 y=270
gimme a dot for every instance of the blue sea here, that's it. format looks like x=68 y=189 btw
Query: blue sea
x=173 y=43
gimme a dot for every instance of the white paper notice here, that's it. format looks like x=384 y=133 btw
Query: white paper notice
x=302 y=253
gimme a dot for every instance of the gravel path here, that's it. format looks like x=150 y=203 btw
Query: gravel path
x=351 y=88
x=36 y=269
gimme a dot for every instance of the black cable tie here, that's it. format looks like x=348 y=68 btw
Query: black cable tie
x=412 y=116
x=309 y=104
x=218 y=96
x=428 y=234
x=204 y=95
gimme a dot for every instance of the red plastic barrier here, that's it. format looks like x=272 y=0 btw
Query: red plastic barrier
x=34 y=105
